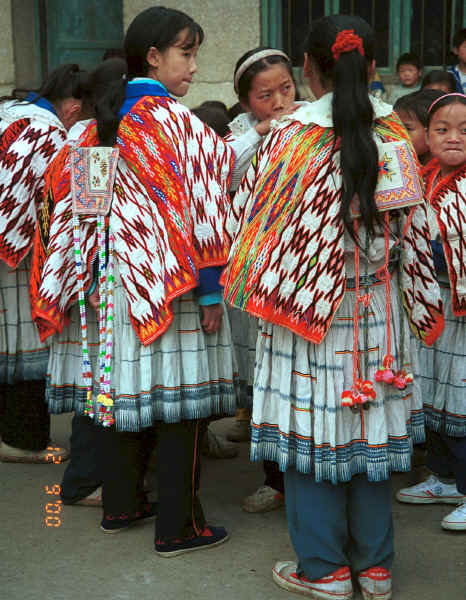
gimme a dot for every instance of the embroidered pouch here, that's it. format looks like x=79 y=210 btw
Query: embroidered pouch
x=399 y=184
x=93 y=173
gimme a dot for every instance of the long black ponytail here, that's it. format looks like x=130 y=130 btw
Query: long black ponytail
x=352 y=111
x=156 y=26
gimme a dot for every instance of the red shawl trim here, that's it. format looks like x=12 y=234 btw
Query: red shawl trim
x=447 y=196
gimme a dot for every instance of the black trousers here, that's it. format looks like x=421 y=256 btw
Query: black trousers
x=446 y=456
x=82 y=474
x=273 y=476
x=24 y=418
x=123 y=461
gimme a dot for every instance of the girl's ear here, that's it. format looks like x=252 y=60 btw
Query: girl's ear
x=153 y=57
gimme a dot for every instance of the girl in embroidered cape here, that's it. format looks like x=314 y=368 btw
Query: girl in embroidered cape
x=442 y=368
x=32 y=133
x=167 y=358
x=316 y=259
x=263 y=80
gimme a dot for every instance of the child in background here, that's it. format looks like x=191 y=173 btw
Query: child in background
x=82 y=479
x=408 y=68
x=442 y=372
x=439 y=80
x=32 y=133
x=412 y=110
x=263 y=80
x=459 y=70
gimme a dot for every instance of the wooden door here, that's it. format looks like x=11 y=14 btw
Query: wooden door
x=81 y=30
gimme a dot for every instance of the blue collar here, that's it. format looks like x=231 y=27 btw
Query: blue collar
x=135 y=90
x=34 y=98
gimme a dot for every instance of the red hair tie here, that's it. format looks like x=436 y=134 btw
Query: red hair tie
x=346 y=41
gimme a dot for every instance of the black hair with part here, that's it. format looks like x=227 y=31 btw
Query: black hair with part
x=352 y=111
x=157 y=27
x=459 y=38
x=100 y=79
x=215 y=115
x=445 y=100
x=246 y=79
x=215 y=104
x=438 y=76
x=417 y=104
x=408 y=58
x=66 y=81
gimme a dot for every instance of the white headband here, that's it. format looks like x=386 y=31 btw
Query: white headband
x=255 y=58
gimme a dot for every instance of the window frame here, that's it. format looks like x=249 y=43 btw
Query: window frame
x=399 y=34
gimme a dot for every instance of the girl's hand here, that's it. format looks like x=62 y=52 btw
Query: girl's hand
x=263 y=127
x=94 y=300
x=211 y=317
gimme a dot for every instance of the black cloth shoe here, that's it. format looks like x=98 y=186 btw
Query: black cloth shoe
x=111 y=524
x=210 y=537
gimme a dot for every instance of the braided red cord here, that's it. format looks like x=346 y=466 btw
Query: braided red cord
x=346 y=41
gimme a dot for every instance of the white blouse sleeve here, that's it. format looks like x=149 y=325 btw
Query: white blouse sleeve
x=244 y=147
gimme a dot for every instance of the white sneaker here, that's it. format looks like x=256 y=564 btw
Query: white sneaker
x=336 y=586
x=456 y=520
x=263 y=500
x=376 y=584
x=431 y=491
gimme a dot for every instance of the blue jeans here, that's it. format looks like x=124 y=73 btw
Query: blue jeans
x=331 y=526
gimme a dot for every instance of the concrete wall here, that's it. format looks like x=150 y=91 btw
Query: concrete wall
x=231 y=28
x=7 y=69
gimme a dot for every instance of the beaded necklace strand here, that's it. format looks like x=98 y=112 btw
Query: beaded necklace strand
x=93 y=174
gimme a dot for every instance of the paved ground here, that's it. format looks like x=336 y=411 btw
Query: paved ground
x=76 y=561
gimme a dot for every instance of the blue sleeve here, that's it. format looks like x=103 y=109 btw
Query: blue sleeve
x=439 y=257
x=208 y=283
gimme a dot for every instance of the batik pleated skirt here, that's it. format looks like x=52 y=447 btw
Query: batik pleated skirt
x=23 y=357
x=298 y=419
x=441 y=374
x=244 y=337
x=184 y=374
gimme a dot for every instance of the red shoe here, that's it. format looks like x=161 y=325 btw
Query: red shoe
x=376 y=583
x=336 y=586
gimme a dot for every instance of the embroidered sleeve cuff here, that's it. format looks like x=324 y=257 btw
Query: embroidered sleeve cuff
x=208 y=299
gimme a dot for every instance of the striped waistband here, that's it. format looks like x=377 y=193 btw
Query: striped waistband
x=370 y=278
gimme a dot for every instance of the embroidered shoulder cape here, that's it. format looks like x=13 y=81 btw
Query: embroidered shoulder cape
x=169 y=203
x=447 y=196
x=30 y=138
x=286 y=262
